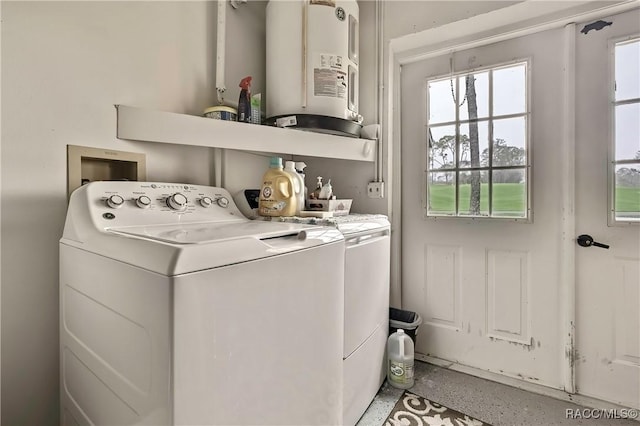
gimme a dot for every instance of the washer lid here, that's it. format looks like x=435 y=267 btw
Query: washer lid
x=202 y=233
x=349 y=228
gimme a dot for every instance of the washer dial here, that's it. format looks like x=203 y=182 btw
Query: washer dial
x=143 y=202
x=115 y=201
x=206 y=202
x=222 y=202
x=177 y=201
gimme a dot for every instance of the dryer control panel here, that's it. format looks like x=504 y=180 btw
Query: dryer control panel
x=117 y=204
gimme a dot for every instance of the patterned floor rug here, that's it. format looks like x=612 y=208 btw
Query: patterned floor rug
x=414 y=410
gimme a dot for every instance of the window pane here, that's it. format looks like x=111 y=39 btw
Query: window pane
x=509 y=90
x=480 y=85
x=473 y=193
x=509 y=193
x=627 y=132
x=442 y=147
x=466 y=144
x=509 y=139
x=442 y=193
x=627 y=193
x=442 y=107
x=627 y=70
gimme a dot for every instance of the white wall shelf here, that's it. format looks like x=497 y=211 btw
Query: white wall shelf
x=141 y=124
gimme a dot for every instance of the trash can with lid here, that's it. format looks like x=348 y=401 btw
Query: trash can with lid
x=405 y=320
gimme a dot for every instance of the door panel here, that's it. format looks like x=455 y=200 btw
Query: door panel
x=488 y=289
x=607 y=297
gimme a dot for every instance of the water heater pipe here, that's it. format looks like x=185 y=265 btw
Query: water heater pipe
x=220 y=50
x=305 y=36
x=379 y=45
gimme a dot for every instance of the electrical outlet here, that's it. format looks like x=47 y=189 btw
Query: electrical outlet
x=375 y=190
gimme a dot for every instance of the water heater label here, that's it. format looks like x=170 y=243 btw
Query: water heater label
x=329 y=78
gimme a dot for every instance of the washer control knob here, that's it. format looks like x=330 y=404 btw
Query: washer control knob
x=177 y=201
x=143 y=202
x=223 y=202
x=206 y=202
x=115 y=201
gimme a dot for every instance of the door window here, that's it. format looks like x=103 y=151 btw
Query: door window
x=478 y=144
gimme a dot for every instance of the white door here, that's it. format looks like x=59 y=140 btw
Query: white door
x=607 y=131
x=487 y=288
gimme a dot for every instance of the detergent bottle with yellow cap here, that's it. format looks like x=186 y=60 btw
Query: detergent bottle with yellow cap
x=278 y=195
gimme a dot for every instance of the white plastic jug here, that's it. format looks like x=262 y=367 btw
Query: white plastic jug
x=298 y=185
x=400 y=356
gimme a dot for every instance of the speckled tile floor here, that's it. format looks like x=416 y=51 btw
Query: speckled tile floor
x=494 y=403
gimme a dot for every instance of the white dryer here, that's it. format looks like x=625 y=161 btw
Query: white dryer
x=366 y=305
x=366 y=309
x=175 y=309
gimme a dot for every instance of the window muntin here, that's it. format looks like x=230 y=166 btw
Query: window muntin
x=626 y=132
x=477 y=144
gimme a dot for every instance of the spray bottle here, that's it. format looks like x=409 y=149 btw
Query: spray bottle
x=244 y=102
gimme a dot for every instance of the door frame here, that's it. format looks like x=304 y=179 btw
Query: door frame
x=503 y=24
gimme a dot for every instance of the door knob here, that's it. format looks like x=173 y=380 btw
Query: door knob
x=585 y=240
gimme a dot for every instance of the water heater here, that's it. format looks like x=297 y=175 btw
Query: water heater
x=312 y=65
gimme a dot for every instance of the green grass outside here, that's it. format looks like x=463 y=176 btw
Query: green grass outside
x=509 y=199
x=627 y=199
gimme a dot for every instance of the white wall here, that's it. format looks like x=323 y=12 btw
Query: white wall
x=245 y=47
x=246 y=50
x=64 y=66
x=408 y=17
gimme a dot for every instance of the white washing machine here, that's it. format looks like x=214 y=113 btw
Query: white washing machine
x=366 y=305
x=175 y=309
